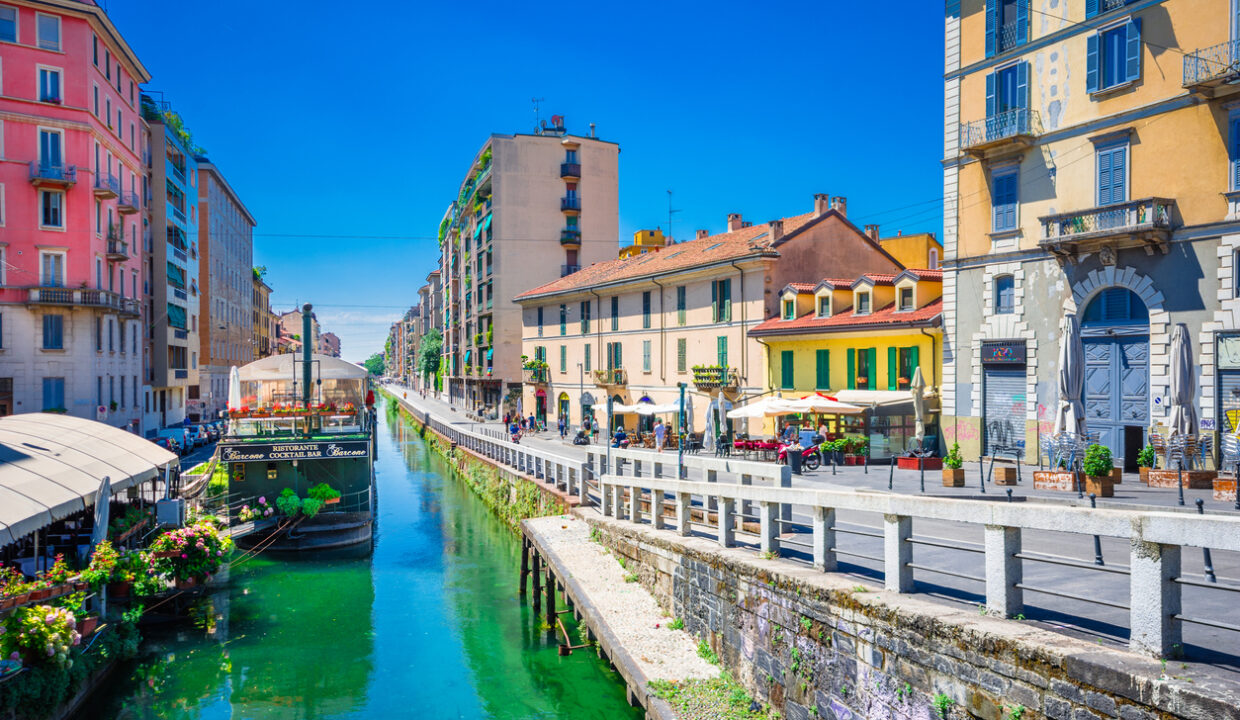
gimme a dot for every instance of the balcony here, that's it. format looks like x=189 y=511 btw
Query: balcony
x=570 y=236
x=106 y=187
x=66 y=297
x=180 y=334
x=610 y=377
x=178 y=173
x=128 y=204
x=1010 y=36
x=179 y=293
x=1009 y=131
x=715 y=377
x=181 y=374
x=42 y=174
x=1138 y=223
x=179 y=255
x=177 y=214
x=565 y=270
x=1213 y=71
x=570 y=171
x=570 y=204
x=118 y=250
x=536 y=375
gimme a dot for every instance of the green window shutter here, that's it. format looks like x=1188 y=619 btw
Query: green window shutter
x=822 y=362
x=872 y=370
x=786 y=370
x=680 y=304
x=892 y=361
x=714 y=301
x=914 y=361
x=645 y=355
x=721 y=350
x=852 y=368
x=588 y=368
x=681 y=354
x=619 y=355
x=563 y=358
x=726 y=300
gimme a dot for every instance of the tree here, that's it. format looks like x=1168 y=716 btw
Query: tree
x=375 y=364
x=428 y=353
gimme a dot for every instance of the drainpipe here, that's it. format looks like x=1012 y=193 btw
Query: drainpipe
x=662 y=334
x=744 y=364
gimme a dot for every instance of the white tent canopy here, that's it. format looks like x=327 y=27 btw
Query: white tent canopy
x=874 y=397
x=823 y=405
x=769 y=406
x=51 y=466
x=288 y=367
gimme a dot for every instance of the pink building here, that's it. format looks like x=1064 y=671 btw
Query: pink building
x=72 y=193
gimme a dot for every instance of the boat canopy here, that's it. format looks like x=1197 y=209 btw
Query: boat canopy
x=51 y=467
x=283 y=367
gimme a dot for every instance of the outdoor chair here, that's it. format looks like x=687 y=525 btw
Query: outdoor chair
x=1231 y=453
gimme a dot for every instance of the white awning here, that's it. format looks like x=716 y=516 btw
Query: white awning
x=288 y=367
x=874 y=397
x=51 y=467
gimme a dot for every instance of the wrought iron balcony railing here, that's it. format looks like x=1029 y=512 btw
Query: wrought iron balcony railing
x=118 y=250
x=106 y=186
x=1212 y=66
x=1016 y=126
x=570 y=170
x=711 y=377
x=604 y=377
x=570 y=203
x=128 y=203
x=46 y=174
x=564 y=271
x=536 y=375
x=570 y=236
x=1146 y=221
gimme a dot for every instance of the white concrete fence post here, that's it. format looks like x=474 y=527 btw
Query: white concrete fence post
x=897 y=553
x=1154 y=598
x=769 y=532
x=727 y=521
x=635 y=503
x=684 y=506
x=824 y=539
x=1004 y=571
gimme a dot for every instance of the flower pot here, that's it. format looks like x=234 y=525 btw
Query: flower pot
x=86 y=627
x=79 y=586
x=119 y=589
x=21 y=599
x=1100 y=486
x=165 y=554
x=331 y=501
x=1144 y=472
x=186 y=583
x=953 y=477
x=1117 y=476
x=8 y=602
x=40 y=594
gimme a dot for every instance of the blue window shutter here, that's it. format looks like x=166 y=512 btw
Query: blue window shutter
x=1235 y=153
x=992 y=27
x=1091 y=60
x=1091 y=8
x=1022 y=21
x=991 y=100
x=1132 y=55
x=1119 y=176
x=1104 y=177
x=1022 y=86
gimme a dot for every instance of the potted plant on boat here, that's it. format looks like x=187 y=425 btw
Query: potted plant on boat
x=326 y=493
x=1098 y=467
x=1145 y=461
x=953 y=467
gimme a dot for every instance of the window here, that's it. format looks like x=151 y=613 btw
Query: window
x=49 y=85
x=1005 y=295
x=906 y=298
x=8 y=23
x=94 y=49
x=790 y=310
x=682 y=354
x=122 y=391
x=786 y=370
x=721 y=350
x=933 y=262
x=98 y=334
x=53 y=332
x=822 y=369
x=53 y=393
x=49 y=149
x=1007 y=25
x=721 y=300
x=588 y=364
x=1113 y=56
x=615 y=313
x=614 y=356
x=52 y=269
x=1112 y=165
x=862 y=364
x=1007 y=94
x=111 y=337
x=645 y=356
x=863 y=304
x=901 y=363
x=563 y=358
x=1003 y=199
x=540 y=322
x=585 y=317
x=48 y=29
x=646 y=309
x=680 y=304
x=563 y=320
x=824 y=306
x=1233 y=146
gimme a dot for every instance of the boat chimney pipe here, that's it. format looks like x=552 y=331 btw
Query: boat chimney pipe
x=307 y=371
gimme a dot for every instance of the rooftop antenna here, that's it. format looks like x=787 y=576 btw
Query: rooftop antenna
x=670 y=212
x=537 y=118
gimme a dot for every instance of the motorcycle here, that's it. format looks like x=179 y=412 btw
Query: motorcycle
x=811 y=457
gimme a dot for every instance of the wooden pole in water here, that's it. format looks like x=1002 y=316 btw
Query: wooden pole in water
x=525 y=562
x=537 y=583
x=550 y=599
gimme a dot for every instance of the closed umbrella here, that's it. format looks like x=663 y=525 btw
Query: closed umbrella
x=1183 y=414
x=918 y=388
x=234 y=388
x=1070 y=416
x=102 y=499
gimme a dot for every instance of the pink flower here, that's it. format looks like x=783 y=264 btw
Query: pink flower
x=263 y=499
x=184 y=556
x=14 y=655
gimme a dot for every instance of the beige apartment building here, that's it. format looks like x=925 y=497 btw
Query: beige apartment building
x=531 y=209
x=631 y=329
x=261 y=317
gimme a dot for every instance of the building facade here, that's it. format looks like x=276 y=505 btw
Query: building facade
x=531 y=208
x=1088 y=169
x=290 y=324
x=226 y=240
x=632 y=329
x=71 y=205
x=261 y=316
x=173 y=266
x=329 y=344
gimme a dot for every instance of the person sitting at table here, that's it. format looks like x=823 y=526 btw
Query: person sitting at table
x=620 y=439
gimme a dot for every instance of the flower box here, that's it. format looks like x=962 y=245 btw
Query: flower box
x=952 y=477
x=331 y=501
x=1059 y=480
x=1144 y=474
x=1193 y=479
x=1100 y=486
x=119 y=589
x=911 y=463
x=40 y=594
x=164 y=554
x=186 y=583
x=87 y=625
x=1225 y=489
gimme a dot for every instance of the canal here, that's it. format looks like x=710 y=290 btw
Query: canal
x=429 y=626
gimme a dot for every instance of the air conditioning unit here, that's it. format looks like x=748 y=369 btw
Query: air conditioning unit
x=170 y=513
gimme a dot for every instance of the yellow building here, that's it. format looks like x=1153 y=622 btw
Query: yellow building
x=644 y=241
x=1087 y=170
x=861 y=340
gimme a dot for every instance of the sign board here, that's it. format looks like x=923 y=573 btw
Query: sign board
x=1228 y=352
x=101 y=413
x=266 y=452
x=1004 y=352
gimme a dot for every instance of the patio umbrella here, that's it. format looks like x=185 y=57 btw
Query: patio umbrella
x=822 y=404
x=234 y=388
x=918 y=388
x=102 y=498
x=1070 y=416
x=766 y=407
x=1183 y=414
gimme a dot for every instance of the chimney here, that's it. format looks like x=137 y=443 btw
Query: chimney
x=872 y=231
x=735 y=222
x=839 y=203
x=702 y=233
x=591 y=129
x=821 y=204
x=777 y=230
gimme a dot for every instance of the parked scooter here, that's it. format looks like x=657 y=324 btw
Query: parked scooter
x=811 y=457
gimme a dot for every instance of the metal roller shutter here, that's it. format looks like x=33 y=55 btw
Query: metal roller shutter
x=1004 y=408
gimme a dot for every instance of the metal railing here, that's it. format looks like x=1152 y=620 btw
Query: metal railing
x=177 y=173
x=107 y=185
x=570 y=236
x=128 y=202
x=1155 y=537
x=177 y=213
x=1135 y=215
x=538 y=375
x=42 y=172
x=87 y=298
x=117 y=249
x=179 y=254
x=570 y=170
x=610 y=376
x=1010 y=35
x=180 y=334
x=1213 y=64
x=565 y=270
x=1001 y=126
x=570 y=203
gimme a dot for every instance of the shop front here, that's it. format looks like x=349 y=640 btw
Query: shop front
x=1004 y=401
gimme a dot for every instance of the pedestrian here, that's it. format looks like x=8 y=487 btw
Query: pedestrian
x=660 y=432
x=563 y=428
x=533 y=424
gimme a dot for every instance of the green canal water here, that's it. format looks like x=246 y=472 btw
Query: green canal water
x=430 y=626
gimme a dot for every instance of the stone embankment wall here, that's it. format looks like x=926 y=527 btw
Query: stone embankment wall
x=816 y=644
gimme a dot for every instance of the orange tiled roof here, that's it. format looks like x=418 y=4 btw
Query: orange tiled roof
x=751 y=241
x=886 y=316
x=923 y=274
x=802 y=287
x=877 y=278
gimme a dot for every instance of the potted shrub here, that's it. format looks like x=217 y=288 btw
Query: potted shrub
x=103 y=565
x=198 y=552
x=43 y=635
x=1145 y=461
x=953 y=467
x=1098 y=466
x=326 y=493
x=855 y=450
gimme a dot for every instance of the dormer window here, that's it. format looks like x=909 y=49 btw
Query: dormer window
x=790 y=309
x=906 y=299
x=824 y=306
x=863 y=304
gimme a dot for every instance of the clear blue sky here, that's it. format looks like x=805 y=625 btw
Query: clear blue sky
x=358 y=121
